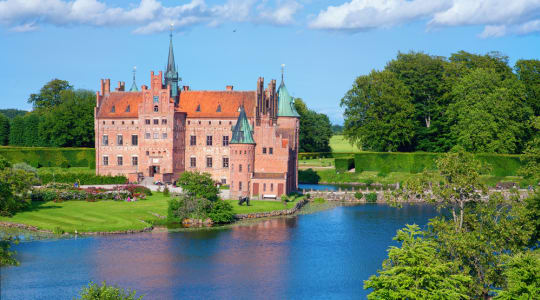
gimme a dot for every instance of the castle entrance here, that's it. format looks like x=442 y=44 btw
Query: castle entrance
x=153 y=170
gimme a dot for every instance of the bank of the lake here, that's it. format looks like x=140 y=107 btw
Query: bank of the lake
x=323 y=255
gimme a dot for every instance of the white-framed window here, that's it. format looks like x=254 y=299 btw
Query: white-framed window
x=134 y=160
x=105 y=160
x=164 y=135
x=156 y=135
x=105 y=140
x=193 y=162
x=119 y=140
x=120 y=160
x=147 y=135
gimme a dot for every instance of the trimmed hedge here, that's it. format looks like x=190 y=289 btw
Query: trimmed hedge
x=416 y=162
x=85 y=178
x=317 y=155
x=344 y=164
x=51 y=157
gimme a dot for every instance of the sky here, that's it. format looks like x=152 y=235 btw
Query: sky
x=324 y=45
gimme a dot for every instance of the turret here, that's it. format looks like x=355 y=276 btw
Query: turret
x=171 y=75
x=285 y=101
x=242 y=153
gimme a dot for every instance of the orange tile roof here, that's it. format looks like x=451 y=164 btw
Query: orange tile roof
x=120 y=101
x=268 y=175
x=210 y=100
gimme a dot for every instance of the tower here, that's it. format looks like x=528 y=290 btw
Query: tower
x=242 y=153
x=171 y=75
x=134 y=85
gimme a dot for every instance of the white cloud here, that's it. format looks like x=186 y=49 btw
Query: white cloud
x=499 y=17
x=282 y=15
x=147 y=16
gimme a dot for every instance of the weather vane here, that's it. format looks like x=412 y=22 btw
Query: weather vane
x=282 y=70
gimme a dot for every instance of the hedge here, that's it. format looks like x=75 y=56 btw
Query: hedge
x=416 y=162
x=317 y=155
x=84 y=178
x=344 y=164
x=51 y=157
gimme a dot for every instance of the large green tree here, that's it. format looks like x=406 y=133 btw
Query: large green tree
x=528 y=71
x=379 y=114
x=4 y=130
x=49 y=94
x=16 y=132
x=494 y=60
x=315 y=129
x=489 y=113
x=198 y=185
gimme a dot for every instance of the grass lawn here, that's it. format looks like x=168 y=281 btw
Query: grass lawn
x=318 y=162
x=338 y=143
x=256 y=206
x=86 y=216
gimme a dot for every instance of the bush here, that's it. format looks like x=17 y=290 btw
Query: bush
x=221 y=212
x=166 y=191
x=199 y=185
x=371 y=197
x=344 y=164
x=308 y=176
x=186 y=206
x=358 y=195
x=107 y=292
x=84 y=178
x=25 y=167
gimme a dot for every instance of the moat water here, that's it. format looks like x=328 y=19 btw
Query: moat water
x=324 y=255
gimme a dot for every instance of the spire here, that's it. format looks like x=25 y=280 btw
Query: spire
x=171 y=66
x=241 y=133
x=171 y=75
x=282 y=71
x=134 y=84
x=285 y=101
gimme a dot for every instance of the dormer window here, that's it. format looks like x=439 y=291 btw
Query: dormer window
x=198 y=108
x=156 y=108
x=127 y=108
x=218 y=108
x=156 y=99
x=113 y=109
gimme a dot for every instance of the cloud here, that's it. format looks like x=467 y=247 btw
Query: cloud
x=499 y=17
x=147 y=16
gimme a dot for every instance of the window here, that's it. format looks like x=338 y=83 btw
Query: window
x=193 y=140
x=164 y=135
x=249 y=168
x=122 y=122
x=163 y=121
x=156 y=135
x=147 y=121
x=103 y=122
x=120 y=160
x=208 y=162
x=105 y=160
x=147 y=135
x=112 y=122
x=225 y=140
x=239 y=185
x=134 y=160
x=113 y=109
x=239 y=168
x=132 y=122
x=156 y=99
x=147 y=153
x=264 y=150
x=232 y=185
x=209 y=122
x=119 y=140
x=193 y=162
x=271 y=187
x=156 y=108
x=271 y=150
x=105 y=140
x=134 y=140
x=156 y=121
x=127 y=108
x=264 y=187
x=225 y=162
x=208 y=140
x=198 y=109
x=223 y=181
x=218 y=109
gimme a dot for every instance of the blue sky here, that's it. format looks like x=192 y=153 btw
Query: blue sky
x=325 y=45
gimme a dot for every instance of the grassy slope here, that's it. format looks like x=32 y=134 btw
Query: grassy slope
x=338 y=143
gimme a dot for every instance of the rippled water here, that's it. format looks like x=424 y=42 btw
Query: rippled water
x=325 y=255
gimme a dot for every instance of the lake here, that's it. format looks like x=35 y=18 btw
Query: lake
x=324 y=255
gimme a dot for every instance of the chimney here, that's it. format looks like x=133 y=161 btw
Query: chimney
x=229 y=88
x=121 y=86
x=144 y=87
x=107 y=86
x=186 y=87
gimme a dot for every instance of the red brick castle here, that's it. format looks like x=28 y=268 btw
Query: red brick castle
x=247 y=139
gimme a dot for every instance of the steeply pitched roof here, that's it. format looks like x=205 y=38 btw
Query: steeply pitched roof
x=242 y=130
x=285 y=103
x=120 y=101
x=208 y=102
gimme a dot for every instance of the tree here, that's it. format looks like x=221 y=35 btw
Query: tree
x=16 y=132
x=315 y=129
x=11 y=113
x=107 y=292
x=415 y=271
x=379 y=113
x=489 y=113
x=4 y=130
x=494 y=60
x=31 y=135
x=71 y=122
x=198 y=185
x=523 y=277
x=530 y=159
x=49 y=95
x=528 y=72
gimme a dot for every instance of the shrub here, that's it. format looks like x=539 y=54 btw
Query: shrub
x=107 y=292
x=136 y=189
x=221 y=212
x=166 y=191
x=371 y=197
x=199 y=185
x=358 y=195
x=25 y=167
x=187 y=206
x=308 y=176
x=344 y=164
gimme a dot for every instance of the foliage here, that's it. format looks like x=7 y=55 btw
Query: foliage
x=82 y=177
x=107 y=292
x=308 y=176
x=377 y=113
x=16 y=131
x=49 y=95
x=25 y=167
x=198 y=185
x=315 y=129
x=6 y=255
x=15 y=187
x=188 y=206
x=4 y=130
x=523 y=277
x=358 y=195
x=166 y=191
x=530 y=159
x=11 y=113
x=50 y=157
x=4 y=163
x=415 y=271
x=344 y=164
x=337 y=129
x=528 y=72
x=371 y=197
x=222 y=212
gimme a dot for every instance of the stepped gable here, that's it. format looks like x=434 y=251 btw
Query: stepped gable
x=120 y=101
x=204 y=104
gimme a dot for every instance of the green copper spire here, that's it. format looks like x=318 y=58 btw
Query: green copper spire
x=134 y=85
x=242 y=130
x=285 y=101
x=171 y=75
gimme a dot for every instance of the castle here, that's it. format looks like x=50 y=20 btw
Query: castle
x=245 y=139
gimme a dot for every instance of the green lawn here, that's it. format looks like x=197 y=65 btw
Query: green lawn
x=338 y=143
x=260 y=206
x=318 y=162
